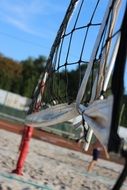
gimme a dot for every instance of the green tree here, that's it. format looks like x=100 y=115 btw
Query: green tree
x=31 y=70
x=10 y=73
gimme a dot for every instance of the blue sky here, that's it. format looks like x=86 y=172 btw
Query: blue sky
x=28 y=27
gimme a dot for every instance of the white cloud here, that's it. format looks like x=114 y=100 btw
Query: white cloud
x=26 y=14
x=22 y=25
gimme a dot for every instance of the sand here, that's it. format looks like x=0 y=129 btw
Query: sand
x=50 y=167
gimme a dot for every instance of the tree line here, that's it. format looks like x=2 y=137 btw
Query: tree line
x=22 y=77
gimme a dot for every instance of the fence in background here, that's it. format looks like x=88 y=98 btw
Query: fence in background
x=13 y=100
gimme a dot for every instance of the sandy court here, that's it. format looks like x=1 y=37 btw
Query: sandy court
x=50 y=167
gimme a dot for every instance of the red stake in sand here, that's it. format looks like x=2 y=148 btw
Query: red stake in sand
x=28 y=131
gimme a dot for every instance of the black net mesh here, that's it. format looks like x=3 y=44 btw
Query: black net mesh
x=71 y=52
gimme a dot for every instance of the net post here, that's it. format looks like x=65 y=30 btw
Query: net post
x=24 y=149
x=28 y=131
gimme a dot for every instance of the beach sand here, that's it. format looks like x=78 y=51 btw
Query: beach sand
x=50 y=167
